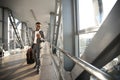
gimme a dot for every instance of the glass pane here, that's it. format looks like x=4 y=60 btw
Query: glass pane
x=85 y=39
x=107 y=7
x=87 y=19
x=86 y=14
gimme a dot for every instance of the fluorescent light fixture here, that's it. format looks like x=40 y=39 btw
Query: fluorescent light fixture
x=33 y=14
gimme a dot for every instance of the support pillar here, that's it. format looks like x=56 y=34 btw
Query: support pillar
x=23 y=33
x=68 y=32
x=5 y=28
x=52 y=18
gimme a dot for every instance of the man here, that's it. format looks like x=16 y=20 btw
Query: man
x=37 y=37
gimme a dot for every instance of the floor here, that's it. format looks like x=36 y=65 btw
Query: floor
x=14 y=67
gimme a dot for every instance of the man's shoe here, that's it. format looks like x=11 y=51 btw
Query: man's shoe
x=35 y=66
x=38 y=70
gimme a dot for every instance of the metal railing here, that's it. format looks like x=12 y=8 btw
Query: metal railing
x=87 y=66
x=57 y=22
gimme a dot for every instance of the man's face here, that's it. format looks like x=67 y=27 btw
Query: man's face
x=38 y=26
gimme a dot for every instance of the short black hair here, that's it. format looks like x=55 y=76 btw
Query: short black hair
x=38 y=23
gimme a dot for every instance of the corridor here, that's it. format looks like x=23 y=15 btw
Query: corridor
x=14 y=67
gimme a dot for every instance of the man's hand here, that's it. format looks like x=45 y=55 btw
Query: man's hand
x=38 y=36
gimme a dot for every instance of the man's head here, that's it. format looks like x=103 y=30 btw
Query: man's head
x=38 y=25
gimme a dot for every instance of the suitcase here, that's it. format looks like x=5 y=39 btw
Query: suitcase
x=30 y=56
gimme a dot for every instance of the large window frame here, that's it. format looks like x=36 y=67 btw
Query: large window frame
x=83 y=31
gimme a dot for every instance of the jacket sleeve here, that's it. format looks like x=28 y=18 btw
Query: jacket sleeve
x=39 y=40
x=33 y=35
x=42 y=34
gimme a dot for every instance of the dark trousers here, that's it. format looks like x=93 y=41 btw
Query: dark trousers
x=36 y=51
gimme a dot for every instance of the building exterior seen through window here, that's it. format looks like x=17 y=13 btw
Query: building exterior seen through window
x=12 y=39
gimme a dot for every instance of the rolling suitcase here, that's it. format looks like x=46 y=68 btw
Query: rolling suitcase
x=30 y=56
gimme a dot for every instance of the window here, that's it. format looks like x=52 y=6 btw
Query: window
x=84 y=40
x=86 y=23
x=86 y=14
x=12 y=39
x=107 y=7
x=89 y=19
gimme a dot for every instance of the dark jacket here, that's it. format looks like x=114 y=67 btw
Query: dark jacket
x=33 y=35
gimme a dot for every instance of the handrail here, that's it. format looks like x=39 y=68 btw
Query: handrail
x=87 y=66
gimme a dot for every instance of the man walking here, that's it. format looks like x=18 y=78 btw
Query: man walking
x=37 y=37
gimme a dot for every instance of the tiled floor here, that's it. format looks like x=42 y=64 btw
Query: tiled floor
x=14 y=67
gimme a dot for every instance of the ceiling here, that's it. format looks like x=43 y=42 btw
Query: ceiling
x=31 y=11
